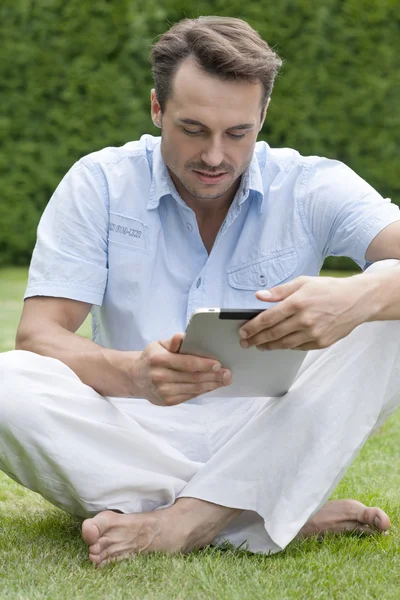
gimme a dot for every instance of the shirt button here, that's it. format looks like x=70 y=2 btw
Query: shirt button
x=189 y=227
x=263 y=281
x=198 y=282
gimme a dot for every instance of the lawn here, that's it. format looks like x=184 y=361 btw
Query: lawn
x=42 y=555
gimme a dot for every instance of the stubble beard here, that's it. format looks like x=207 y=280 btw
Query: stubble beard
x=192 y=189
x=195 y=193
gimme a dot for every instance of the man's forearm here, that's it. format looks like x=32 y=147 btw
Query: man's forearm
x=385 y=298
x=109 y=372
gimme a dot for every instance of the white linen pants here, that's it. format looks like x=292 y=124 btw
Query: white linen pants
x=277 y=459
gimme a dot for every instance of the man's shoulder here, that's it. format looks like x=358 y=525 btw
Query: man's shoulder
x=134 y=151
x=124 y=173
x=285 y=159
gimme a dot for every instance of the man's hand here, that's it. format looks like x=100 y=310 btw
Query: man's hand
x=313 y=312
x=167 y=378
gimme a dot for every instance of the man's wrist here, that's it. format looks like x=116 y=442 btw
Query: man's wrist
x=120 y=367
x=382 y=289
x=367 y=295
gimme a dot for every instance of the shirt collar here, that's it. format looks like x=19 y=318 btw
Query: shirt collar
x=252 y=183
x=162 y=184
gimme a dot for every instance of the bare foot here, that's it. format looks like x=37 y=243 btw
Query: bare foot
x=111 y=536
x=339 y=516
x=190 y=523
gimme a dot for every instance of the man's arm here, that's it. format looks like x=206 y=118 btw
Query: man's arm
x=48 y=327
x=386 y=245
x=315 y=312
x=158 y=373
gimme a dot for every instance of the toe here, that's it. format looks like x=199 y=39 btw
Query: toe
x=94 y=529
x=364 y=529
x=101 y=545
x=94 y=558
x=95 y=548
x=115 y=557
x=115 y=552
x=376 y=518
x=90 y=532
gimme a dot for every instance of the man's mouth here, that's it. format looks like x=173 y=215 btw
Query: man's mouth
x=212 y=178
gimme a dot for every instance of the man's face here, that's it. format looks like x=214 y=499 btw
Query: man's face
x=209 y=129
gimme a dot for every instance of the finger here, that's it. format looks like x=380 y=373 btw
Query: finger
x=190 y=363
x=191 y=389
x=174 y=343
x=296 y=340
x=308 y=346
x=267 y=319
x=169 y=375
x=185 y=362
x=280 y=292
x=283 y=329
x=175 y=400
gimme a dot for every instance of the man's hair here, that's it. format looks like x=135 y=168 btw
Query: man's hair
x=222 y=46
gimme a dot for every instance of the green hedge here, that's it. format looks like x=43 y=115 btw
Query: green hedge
x=75 y=77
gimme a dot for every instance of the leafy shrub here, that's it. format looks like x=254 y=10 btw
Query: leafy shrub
x=75 y=77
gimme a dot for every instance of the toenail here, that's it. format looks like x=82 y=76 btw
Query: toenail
x=377 y=522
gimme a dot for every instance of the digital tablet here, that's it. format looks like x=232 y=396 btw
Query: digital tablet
x=214 y=333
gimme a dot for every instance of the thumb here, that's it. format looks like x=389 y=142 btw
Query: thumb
x=280 y=292
x=174 y=343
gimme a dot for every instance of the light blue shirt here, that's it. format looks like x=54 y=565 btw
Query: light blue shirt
x=116 y=234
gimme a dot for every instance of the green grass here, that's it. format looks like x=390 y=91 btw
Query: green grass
x=43 y=556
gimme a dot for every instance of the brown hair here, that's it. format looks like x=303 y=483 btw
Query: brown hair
x=226 y=47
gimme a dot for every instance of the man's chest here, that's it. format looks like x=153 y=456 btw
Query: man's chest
x=161 y=261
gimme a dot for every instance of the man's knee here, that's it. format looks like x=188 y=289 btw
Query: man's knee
x=380 y=265
x=11 y=367
x=18 y=390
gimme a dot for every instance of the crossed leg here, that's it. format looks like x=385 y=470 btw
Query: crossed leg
x=281 y=464
x=369 y=356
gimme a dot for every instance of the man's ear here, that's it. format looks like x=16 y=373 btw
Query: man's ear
x=264 y=113
x=155 y=109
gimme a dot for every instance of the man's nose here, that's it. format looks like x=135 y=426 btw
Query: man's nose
x=213 y=154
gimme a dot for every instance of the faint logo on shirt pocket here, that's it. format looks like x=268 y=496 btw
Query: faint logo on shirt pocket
x=128 y=232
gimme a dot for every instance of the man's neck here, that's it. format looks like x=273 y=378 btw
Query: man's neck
x=210 y=212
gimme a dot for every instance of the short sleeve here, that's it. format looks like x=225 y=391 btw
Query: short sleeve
x=70 y=255
x=342 y=211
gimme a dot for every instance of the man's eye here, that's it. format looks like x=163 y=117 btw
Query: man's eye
x=188 y=132
x=236 y=136
x=200 y=131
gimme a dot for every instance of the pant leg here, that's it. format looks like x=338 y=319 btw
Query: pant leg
x=282 y=463
x=86 y=453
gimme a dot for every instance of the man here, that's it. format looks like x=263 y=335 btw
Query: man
x=145 y=234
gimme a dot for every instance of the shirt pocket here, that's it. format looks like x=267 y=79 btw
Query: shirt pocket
x=128 y=259
x=264 y=272
x=128 y=232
